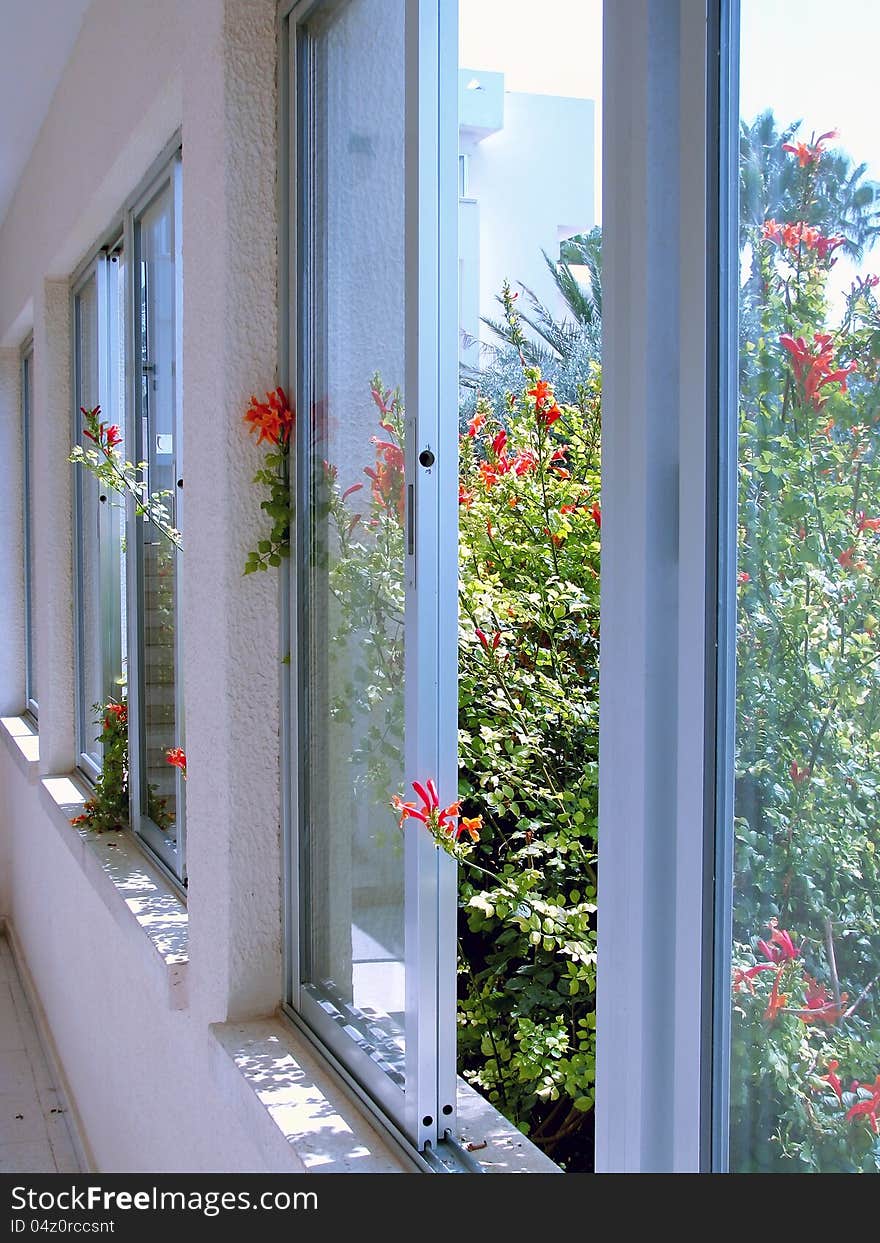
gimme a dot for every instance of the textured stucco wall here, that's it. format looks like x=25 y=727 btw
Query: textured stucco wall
x=232 y=672
x=144 y=1076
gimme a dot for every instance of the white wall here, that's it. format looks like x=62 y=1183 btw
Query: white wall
x=140 y=1073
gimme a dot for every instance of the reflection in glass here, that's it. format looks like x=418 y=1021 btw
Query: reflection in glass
x=805 y=1047
x=159 y=449
x=354 y=949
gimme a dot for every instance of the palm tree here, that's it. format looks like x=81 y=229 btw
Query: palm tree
x=556 y=341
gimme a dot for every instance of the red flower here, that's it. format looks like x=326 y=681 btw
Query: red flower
x=488 y=644
x=867 y=1109
x=799 y=775
x=596 y=514
x=777 y=1002
x=867 y=524
x=117 y=713
x=546 y=409
x=792 y=236
x=825 y=245
x=438 y=819
x=820 y=1006
x=383 y=400
x=846 y=557
x=470 y=825
x=176 y=757
x=743 y=577
x=813 y=369
x=550 y=414
x=832 y=1080
x=114 y=436
x=524 y=462
x=499 y=443
x=465 y=496
x=743 y=977
x=782 y=948
x=355 y=487
x=273 y=418
x=476 y=423
x=388 y=483
x=809 y=153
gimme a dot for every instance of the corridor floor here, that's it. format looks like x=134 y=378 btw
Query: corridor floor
x=34 y=1134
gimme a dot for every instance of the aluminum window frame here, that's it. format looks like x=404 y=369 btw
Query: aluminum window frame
x=166 y=172
x=723 y=594
x=27 y=414
x=421 y=1118
x=661 y=420
x=98 y=267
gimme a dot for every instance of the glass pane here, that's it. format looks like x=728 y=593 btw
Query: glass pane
x=354 y=947
x=90 y=620
x=113 y=535
x=805 y=1046
x=160 y=450
x=27 y=404
x=530 y=94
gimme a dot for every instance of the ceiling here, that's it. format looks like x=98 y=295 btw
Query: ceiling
x=36 y=39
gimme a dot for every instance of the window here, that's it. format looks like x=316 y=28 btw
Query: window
x=372 y=949
x=27 y=399
x=410 y=210
x=803 y=910
x=99 y=531
x=154 y=563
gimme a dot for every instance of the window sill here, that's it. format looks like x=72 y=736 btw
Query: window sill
x=142 y=902
x=23 y=743
x=305 y=1120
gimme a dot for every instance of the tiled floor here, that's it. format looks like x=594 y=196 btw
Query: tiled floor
x=34 y=1133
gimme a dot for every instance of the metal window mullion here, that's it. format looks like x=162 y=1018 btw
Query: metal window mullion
x=297 y=159
x=111 y=578
x=724 y=596
x=177 y=509
x=78 y=535
x=656 y=827
x=447 y=527
x=108 y=579
x=133 y=557
x=27 y=359
x=422 y=754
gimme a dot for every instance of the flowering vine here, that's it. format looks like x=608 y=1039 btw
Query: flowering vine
x=106 y=462
x=272 y=421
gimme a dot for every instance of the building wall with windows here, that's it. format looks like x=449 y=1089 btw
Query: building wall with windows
x=160 y=1009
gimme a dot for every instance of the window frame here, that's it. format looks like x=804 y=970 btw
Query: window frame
x=661 y=419
x=664 y=314
x=98 y=268
x=166 y=172
x=27 y=414
x=430 y=732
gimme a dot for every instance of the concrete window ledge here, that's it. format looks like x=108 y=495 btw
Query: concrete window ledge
x=305 y=1120
x=23 y=744
x=142 y=902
